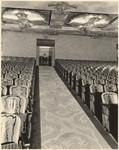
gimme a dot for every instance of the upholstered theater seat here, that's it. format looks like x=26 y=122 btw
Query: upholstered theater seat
x=110 y=112
x=25 y=76
x=19 y=90
x=110 y=88
x=86 y=90
x=14 y=104
x=3 y=90
x=7 y=82
x=11 y=129
x=22 y=82
x=95 y=100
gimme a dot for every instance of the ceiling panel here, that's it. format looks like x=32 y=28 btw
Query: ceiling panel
x=25 y=17
x=90 y=21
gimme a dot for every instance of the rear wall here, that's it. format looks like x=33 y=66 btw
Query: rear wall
x=23 y=44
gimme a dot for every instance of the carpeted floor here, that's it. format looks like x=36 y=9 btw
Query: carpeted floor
x=64 y=124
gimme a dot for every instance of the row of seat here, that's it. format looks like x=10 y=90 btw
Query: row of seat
x=17 y=91
x=96 y=83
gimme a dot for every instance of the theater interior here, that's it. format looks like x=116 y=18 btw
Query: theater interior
x=59 y=75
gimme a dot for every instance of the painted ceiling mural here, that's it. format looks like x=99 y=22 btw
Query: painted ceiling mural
x=25 y=18
x=92 y=22
x=58 y=18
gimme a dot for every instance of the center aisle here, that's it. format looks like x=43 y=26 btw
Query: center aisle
x=64 y=125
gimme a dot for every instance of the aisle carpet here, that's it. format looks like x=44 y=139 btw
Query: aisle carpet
x=64 y=124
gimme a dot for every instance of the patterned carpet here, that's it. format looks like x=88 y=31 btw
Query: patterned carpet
x=64 y=125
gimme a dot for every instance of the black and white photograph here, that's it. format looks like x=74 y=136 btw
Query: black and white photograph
x=59 y=74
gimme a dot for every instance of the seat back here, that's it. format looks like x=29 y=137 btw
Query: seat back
x=15 y=72
x=110 y=88
x=104 y=77
x=19 y=90
x=96 y=88
x=25 y=76
x=14 y=104
x=11 y=75
x=110 y=81
x=11 y=104
x=90 y=81
x=100 y=81
x=10 y=127
x=3 y=90
x=22 y=82
x=7 y=82
x=93 y=77
x=109 y=98
x=87 y=82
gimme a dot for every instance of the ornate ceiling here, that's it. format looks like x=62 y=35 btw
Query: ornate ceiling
x=60 y=19
x=92 y=22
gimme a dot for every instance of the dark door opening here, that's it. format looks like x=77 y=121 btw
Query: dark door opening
x=46 y=52
x=45 y=60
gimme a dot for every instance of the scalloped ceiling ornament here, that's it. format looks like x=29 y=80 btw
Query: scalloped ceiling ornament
x=60 y=13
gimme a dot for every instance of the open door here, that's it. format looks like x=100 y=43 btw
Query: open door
x=45 y=52
x=45 y=56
